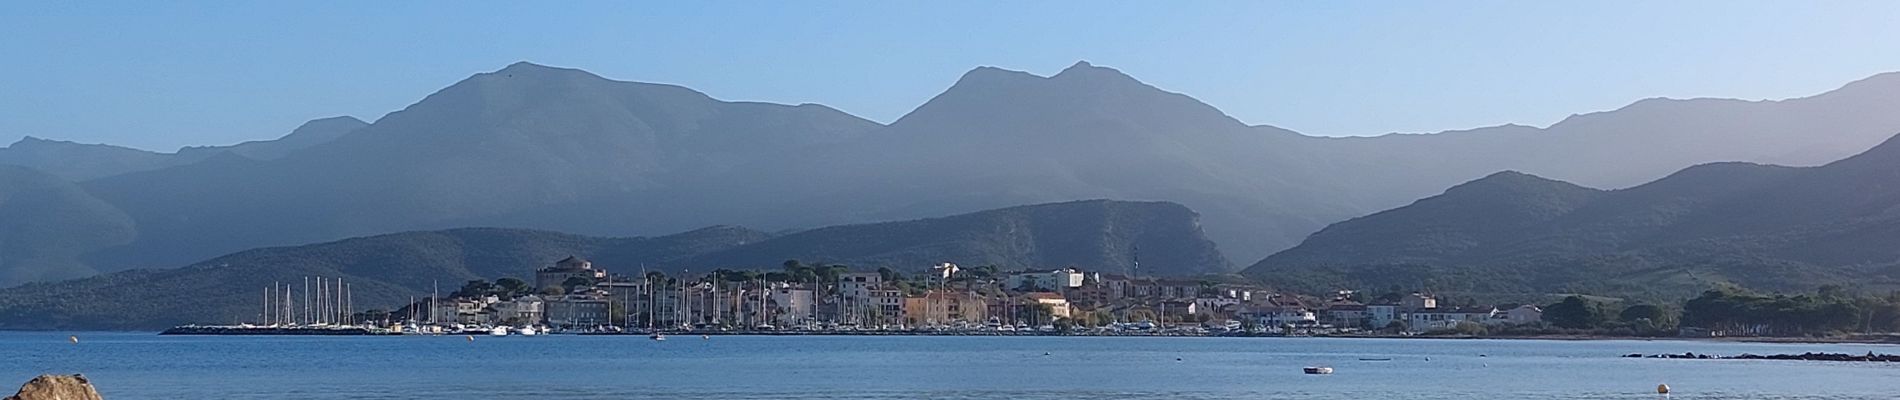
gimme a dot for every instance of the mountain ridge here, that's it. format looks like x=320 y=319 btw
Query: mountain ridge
x=1758 y=226
x=532 y=146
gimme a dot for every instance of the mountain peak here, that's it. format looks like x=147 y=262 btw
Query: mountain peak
x=524 y=66
x=536 y=72
x=1511 y=182
x=1081 y=92
x=28 y=140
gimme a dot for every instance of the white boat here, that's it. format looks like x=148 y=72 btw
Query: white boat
x=657 y=336
x=498 y=331
x=527 y=331
x=1318 y=370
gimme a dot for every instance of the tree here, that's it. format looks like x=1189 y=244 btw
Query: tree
x=474 y=288
x=1574 y=312
x=889 y=275
x=1641 y=312
x=577 y=281
x=513 y=286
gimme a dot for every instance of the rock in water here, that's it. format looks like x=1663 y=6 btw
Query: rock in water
x=57 y=387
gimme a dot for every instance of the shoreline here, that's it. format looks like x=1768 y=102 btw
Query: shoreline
x=1870 y=340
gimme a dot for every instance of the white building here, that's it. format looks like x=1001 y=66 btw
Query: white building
x=524 y=310
x=1061 y=279
x=1274 y=317
x=1380 y=315
x=1446 y=318
x=795 y=306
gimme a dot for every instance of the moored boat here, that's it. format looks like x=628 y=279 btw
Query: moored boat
x=1318 y=370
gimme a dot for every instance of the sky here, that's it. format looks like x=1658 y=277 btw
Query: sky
x=159 y=75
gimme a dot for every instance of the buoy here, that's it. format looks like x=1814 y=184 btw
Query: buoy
x=74 y=339
x=471 y=338
x=705 y=337
x=1662 y=389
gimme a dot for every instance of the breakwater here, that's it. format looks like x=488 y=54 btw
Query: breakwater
x=1869 y=357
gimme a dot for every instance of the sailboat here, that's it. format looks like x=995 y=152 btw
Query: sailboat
x=652 y=303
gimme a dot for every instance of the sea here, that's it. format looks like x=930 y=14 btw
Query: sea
x=148 y=366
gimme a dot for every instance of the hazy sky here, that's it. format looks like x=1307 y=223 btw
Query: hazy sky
x=159 y=75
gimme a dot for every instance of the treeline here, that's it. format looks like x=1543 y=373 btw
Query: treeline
x=1726 y=311
x=1830 y=310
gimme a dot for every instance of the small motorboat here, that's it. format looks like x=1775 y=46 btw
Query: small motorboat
x=657 y=337
x=498 y=331
x=527 y=331
x=1318 y=370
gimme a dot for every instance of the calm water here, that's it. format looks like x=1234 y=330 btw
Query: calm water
x=147 y=366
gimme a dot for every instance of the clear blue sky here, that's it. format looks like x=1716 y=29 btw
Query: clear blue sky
x=159 y=74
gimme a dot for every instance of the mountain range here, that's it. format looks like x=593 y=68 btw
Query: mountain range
x=383 y=270
x=537 y=147
x=79 y=162
x=1752 y=225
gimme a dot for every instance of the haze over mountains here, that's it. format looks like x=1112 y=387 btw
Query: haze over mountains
x=532 y=146
x=384 y=269
x=1757 y=226
x=80 y=162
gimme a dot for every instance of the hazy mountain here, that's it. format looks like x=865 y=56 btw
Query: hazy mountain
x=1768 y=227
x=76 y=161
x=1096 y=235
x=79 y=162
x=386 y=269
x=312 y=133
x=526 y=146
x=47 y=226
x=531 y=146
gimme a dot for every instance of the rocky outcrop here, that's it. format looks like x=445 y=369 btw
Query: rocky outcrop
x=57 y=387
x=1869 y=357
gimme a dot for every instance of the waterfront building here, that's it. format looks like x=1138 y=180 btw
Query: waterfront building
x=1277 y=317
x=463 y=311
x=1437 y=319
x=1347 y=314
x=1209 y=304
x=945 y=307
x=1382 y=314
x=793 y=305
x=522 y=310
x=577 y=311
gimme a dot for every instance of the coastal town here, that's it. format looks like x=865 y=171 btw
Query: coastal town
x=572 y=295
